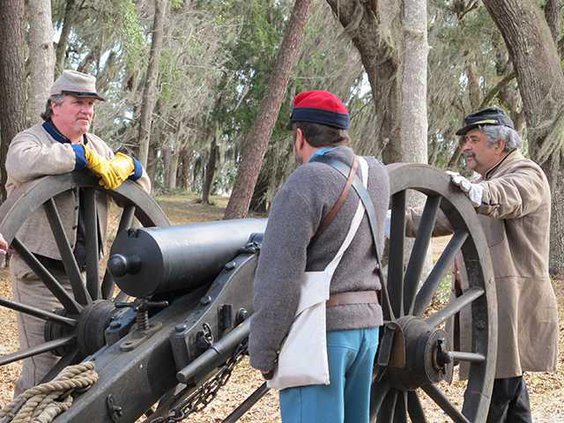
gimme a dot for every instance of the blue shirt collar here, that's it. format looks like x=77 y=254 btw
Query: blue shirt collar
x=50 y=127
x=322 y=152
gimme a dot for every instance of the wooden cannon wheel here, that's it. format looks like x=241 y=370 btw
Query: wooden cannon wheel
x=415 y=353
x=415 y=357
x=76 y=329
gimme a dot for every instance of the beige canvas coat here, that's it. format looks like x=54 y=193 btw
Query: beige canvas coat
x=34 y=153
x=516 y=220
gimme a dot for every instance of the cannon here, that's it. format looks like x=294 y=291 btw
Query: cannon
x=166 y=319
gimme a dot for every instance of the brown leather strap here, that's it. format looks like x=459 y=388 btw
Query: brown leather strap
x=371 y=213
x=329 y=217
x=352 y=297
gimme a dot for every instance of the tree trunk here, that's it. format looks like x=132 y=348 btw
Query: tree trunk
x=256 y=141
x=258 y=201
x=391 y=38
x=170 y=163
x=474 y=90
x=413 y=132
x=166 y=156
x=541 y=83
x=88 y=61
x=173 y=166
x=555 y=175
x=68 y=20
x=197 y=174
x=152 y=164
x=474 y=94
x=150 y=88
x=41 y=57
x=552 y=16
x=374 y=28
x=12 y=91
x=184 y=177
x=412 y=144
x=209 y=171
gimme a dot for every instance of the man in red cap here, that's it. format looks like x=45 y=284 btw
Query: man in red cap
x=60 y=144
x=318 y=236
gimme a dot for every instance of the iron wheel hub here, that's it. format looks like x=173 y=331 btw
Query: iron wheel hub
x=92 y=323
x=426 y=356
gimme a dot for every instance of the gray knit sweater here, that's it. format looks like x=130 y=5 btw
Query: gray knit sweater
x=297 y=210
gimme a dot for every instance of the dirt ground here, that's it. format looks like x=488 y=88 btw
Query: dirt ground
x=546 y=389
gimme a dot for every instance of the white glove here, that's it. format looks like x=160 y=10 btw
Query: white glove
x=473 y=191
x=387 y=223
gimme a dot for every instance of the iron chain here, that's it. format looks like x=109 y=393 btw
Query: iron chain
x=206 y=393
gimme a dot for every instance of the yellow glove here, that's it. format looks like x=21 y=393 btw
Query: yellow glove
x=122 y=167
x=102 y=168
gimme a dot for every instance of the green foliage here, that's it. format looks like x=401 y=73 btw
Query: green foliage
x=176 y=4
x=217 y=59
x=169 y=73
x=456 y=43
x=260 y=26
x=130 y=31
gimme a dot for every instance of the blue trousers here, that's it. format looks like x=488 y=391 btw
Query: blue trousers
x=347 y=398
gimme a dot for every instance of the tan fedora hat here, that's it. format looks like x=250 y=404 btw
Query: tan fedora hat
x=77 y=84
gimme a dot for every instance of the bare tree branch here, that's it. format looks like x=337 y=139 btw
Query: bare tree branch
x=498 y=87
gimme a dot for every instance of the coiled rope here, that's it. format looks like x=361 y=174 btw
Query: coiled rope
x=42 y=403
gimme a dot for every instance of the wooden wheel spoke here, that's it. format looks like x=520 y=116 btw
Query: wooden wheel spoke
x=455 y=306
x=91 y=243
x=395 y=256
x=377 y=395
x=420 y=247
x=125 y=222
x=442 y=401
x=387 y=410
x=69 y=261
x=72 y=357
x=107 y=285
x=38 y=349
x=58 y=291
x=400 y=413
x=37 y=312
x=443 y=264
x=415 y=408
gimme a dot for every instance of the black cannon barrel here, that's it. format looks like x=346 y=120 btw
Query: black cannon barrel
x=147 y=261
x=215 y=355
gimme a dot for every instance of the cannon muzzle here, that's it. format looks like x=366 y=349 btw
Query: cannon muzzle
x=148 y=261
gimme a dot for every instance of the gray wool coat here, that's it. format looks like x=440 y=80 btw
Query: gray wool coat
x=288 y=251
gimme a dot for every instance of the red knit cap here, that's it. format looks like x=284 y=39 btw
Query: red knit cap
x=319 y=106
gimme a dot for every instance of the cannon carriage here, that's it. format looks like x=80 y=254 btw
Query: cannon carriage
x=168 y=338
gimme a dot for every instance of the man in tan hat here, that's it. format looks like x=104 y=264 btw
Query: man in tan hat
x=60 y=144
